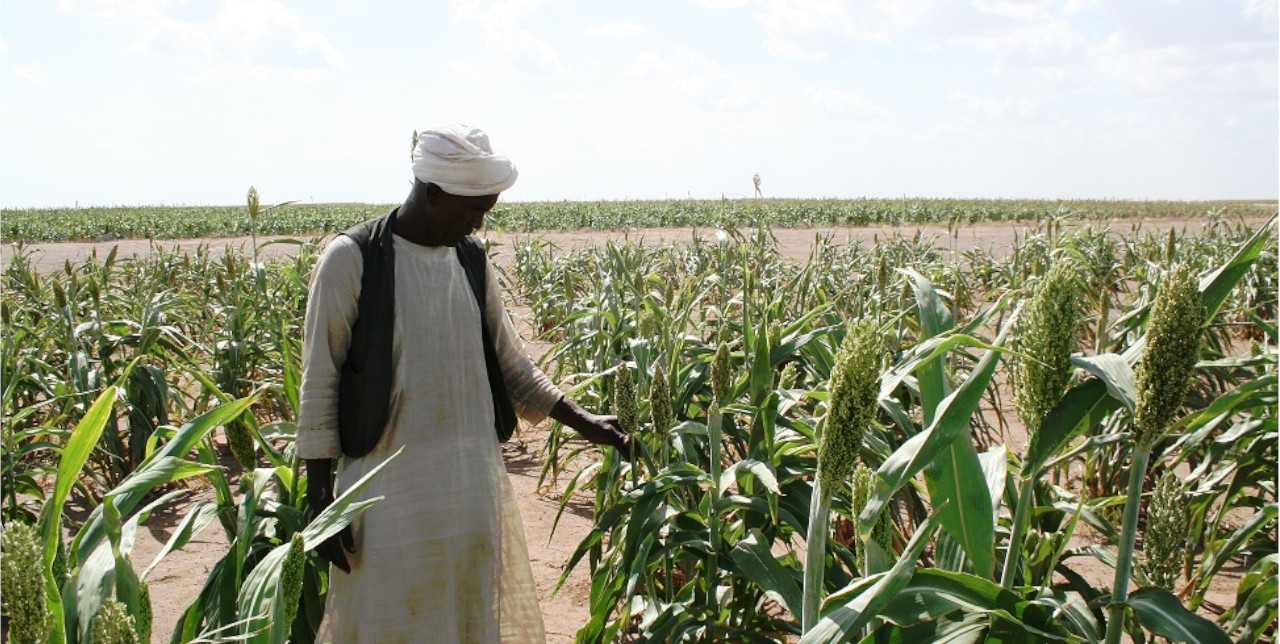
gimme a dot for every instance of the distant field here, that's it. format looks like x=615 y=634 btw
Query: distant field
x=181 y=222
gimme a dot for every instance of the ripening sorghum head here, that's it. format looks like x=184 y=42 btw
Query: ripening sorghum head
x=1045 y=336
x=854 y=392
x=1170 y=354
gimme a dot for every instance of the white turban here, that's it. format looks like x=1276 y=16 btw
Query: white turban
x=459 y=159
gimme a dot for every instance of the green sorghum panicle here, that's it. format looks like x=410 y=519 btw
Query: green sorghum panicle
x=854 y=390
x=1164 y=543
x=22 y=587
x=721 y=375
x=648 y=324
x=295 y=564
x=1169 y=357
x=1046 y=333
x=864 y=484
x=240 y=440
x=113 y=625
x=144 y=617
x=660 y=400
x=60 y=563
x=789 y=376
x=625 y=403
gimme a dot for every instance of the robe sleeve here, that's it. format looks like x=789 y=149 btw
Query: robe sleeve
x=532 y=392
x=332 y=305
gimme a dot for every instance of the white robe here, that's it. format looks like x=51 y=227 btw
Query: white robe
x=442 y=558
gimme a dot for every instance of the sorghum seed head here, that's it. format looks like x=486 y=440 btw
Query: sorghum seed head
x=1165 y=540
x=787 y=380
x=294 y=566
x=145 y=616
x=854 y=391
x=660 y=400
x=721 y=375
x=113 y=625
x=1169 y=357
x=22 y=590
x=240 y=440
x=625 y=403
x=1046 y=335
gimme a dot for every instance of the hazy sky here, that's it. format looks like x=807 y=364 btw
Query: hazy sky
x=106 y=102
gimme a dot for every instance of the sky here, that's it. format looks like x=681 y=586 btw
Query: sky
x=171 y=102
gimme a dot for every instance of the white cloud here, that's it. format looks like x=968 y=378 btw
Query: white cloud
x=721 y=4
x=691 y=75
x=1241 y=71
x=257 y=38
x=4 y=46
x=33 y=74
x=617 y=30
x=1265 y=13
x=504 y=34
x=845 y=105
x=994 y=108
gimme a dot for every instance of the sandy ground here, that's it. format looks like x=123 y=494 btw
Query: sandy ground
x=179 y=577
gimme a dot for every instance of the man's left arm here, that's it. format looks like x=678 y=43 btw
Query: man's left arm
x=532 y=392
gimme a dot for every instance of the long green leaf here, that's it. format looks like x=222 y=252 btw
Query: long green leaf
x=74 y=455
x=755 y=560
x=186 y=439
x=1115 y=372
x=847 y=611
x=344 y=509
x=196 y=520
x=1084 y=401
x=951 y=424
x=1164 y=615
x=1217 y=286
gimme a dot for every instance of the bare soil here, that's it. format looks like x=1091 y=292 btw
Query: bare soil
x=180 y=576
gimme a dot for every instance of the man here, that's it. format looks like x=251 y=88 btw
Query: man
x=442 y=558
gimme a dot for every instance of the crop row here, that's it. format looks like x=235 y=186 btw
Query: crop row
x=724 y=359
x=179 y=222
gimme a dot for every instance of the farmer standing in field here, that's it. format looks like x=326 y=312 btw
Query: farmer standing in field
x=442 y=558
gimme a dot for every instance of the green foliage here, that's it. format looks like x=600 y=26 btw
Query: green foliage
x=176 y=222
x=30 y=621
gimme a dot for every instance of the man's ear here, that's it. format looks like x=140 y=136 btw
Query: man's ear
x=433 y=193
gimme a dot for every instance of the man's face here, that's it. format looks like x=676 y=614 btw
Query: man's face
x=454 y=217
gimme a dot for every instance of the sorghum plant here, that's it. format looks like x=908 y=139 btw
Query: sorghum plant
x=854 y=390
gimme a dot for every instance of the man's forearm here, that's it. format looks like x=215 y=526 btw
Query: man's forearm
x=319 y=480
x=568 y=413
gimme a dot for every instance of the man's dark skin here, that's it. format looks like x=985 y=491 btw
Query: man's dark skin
x=432 y=217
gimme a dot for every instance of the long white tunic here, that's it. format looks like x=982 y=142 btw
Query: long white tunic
x=442 y=558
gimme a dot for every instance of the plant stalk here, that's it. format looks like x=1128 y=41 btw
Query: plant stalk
x=1128 y=535
x=713 y=521
x=815 y=556
x=1018 y=531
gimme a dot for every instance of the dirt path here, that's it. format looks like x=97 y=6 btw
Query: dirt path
x=178 y=579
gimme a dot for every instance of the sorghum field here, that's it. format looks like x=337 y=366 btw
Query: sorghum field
x=827 y=450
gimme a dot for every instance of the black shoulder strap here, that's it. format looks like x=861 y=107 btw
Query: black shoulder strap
x=472 y=256
x=364 y=390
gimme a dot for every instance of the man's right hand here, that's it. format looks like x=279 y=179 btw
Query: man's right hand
x=320 y=496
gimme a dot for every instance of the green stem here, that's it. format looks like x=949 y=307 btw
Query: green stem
x=1018 y=530
x=1128 y=535
x=815 y=556
x=713 y=521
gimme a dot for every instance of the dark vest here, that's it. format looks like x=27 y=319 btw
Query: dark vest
x=364 y=390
